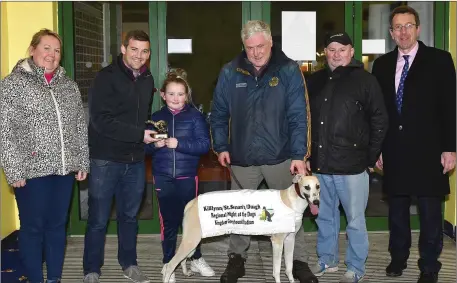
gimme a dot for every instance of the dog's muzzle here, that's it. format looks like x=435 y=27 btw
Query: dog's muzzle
x=314 y=206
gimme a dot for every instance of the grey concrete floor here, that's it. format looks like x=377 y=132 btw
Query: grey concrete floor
x=259 y=263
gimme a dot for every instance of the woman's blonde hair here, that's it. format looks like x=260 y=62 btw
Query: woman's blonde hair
x=36 y=38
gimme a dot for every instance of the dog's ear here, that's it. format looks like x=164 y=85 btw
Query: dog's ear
x=297 y=178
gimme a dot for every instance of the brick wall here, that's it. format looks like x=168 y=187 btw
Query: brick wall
x=88 y=18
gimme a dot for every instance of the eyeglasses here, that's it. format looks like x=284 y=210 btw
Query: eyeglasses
x=407 y=26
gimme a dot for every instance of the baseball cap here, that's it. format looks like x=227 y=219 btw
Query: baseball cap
x=340 y=37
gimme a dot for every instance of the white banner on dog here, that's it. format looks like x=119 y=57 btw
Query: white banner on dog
x=246 y=212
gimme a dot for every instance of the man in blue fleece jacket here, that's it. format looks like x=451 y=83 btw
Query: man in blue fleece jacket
x=259 y=126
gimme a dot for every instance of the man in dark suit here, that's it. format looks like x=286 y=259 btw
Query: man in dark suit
x=419 y=86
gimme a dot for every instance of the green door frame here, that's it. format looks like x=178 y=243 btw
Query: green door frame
x=250 y=10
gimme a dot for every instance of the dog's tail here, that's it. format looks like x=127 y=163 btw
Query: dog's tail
x=189 y=204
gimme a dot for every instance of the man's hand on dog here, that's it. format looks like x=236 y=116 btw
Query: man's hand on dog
x=224 y=158
x=298 y=166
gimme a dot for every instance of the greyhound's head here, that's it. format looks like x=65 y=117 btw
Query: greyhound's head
x=309 y=190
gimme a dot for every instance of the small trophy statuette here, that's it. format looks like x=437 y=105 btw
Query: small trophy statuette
x=161 y=127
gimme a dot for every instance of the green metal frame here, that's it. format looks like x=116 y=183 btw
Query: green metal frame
x=441 y=28
x=256 y=10
x=66 y=32
x=358 y=30
x=158 y=62
x=349 y=18
x=353 y=25
x=446 y=25
x=158 y=36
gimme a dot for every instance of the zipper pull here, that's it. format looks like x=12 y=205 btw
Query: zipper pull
x=256 y=82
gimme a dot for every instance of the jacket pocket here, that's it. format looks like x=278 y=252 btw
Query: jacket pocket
x=348 y=157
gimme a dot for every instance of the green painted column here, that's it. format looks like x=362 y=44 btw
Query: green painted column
x=256 y=10
x=159 y=53
x=66 y=32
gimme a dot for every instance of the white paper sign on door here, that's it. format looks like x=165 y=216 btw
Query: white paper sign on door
x=373 y=46
x=180 y=46
x=299 y=35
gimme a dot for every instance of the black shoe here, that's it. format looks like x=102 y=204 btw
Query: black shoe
x=234 y=269
x=395 y=269
x=301 y=271
x=428 y=277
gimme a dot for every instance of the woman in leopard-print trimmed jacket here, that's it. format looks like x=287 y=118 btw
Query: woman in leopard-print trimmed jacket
x=44 y=148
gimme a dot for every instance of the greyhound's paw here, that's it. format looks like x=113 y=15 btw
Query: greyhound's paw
x=189 y=273
x=290 y=277
x=277 y=279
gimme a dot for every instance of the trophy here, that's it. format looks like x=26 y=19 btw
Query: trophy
x=161 y=127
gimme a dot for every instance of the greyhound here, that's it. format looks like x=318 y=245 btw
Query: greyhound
x=304 y=192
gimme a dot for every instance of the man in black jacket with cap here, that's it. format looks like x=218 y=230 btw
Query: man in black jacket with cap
x=349 y=122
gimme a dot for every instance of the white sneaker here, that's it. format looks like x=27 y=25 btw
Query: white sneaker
x=200 y=266
x=172 y=277
x=92 y=278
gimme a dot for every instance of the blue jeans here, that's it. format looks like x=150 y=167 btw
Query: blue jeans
x=352 y=191
x=173 y=195
x=125 y=181
x=43 y=205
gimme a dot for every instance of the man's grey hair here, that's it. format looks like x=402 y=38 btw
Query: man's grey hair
x=253 y=27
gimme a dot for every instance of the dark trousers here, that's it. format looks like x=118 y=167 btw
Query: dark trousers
x=431 y=231
x=173 y=195
x=125 y=181
x=43 y=205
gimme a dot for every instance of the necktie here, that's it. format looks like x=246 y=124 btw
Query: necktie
x=401 y=85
